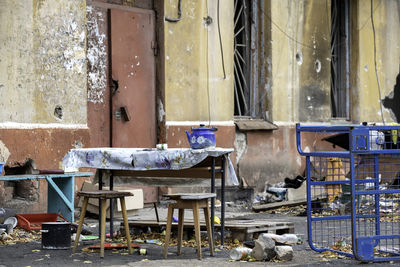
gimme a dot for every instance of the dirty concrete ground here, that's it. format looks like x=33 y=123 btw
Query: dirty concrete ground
x=31 y=253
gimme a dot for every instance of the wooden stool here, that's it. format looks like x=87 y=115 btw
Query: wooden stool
x=103 y=195
x=194 y=202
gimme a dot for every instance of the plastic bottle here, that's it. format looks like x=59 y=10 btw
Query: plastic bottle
x=285 y=238
x=240 y=253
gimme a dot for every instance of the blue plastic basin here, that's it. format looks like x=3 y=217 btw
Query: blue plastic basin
x=1 y=166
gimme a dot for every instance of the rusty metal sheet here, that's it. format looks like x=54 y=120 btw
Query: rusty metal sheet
x=133 y=72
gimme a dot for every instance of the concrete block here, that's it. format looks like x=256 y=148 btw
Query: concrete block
x=297 y=194
x=284 y=253
x=264 y=249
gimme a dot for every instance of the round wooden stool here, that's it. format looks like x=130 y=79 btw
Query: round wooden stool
x=103 y=195
x=194 y=202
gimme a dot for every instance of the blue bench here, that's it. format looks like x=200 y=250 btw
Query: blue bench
x=60 y=192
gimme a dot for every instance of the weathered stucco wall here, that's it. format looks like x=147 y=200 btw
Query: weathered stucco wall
x=300 y=62
x=43 y=67
x=195 y=88
x=365 y=90
x=43 y=87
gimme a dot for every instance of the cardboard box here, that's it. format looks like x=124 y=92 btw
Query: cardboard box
x=133 y=203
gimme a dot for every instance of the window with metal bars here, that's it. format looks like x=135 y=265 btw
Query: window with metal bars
x=242 y=57
x=340 y=59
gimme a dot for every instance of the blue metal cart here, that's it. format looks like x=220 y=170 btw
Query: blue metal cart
x=353 y=193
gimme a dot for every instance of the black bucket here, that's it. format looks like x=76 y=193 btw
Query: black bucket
x=56 y=235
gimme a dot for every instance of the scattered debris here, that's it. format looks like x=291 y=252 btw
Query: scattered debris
x=268 y=247
x=240 y=253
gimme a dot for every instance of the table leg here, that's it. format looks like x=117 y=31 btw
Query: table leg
x=223 y=199
x=111 y=209
x=168 y=230
x=82 y=218
x=181 y=219
x=212 y=199
x=100 y=188
x=60 y=196
x=196 y=220
x=126 y=224
x=208 y=226
x=103 y=226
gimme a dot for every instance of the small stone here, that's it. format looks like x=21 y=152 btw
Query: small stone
x=264 y=249
x=284 y=253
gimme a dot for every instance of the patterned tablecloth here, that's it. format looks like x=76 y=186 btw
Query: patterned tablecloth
x=141 y=159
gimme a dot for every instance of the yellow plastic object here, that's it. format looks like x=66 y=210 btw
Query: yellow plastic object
x=394 y=134
x=217 y=220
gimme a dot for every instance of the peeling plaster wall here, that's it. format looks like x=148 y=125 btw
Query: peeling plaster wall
x=195 y=88
x=43 y=85
x=366 y=103
x=96 y=54
x=43 y=66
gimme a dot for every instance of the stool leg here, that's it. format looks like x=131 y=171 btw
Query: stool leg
x=181 y=219
x=78 y=231
x=209 y=230
x=196 y=220
x=168 y=231
x=126 y=225
x=103 y=226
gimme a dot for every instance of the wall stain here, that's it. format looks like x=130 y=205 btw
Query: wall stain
x=312 y=103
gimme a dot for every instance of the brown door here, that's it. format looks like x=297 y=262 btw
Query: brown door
x=133 y=78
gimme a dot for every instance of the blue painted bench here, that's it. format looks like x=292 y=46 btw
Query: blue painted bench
x=60 y=192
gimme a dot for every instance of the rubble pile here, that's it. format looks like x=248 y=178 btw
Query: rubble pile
x=268 y=247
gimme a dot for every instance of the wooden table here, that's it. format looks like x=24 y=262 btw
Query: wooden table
x=171 y=163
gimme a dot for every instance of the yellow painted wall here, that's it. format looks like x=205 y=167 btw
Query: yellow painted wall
x=195 y=88
x=43 y=52
x=366 y=104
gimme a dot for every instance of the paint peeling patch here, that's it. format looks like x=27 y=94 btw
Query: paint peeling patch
x=161 y=112
x=4 y=152
x=392 y=101
x=240 y=145
x=96 y=56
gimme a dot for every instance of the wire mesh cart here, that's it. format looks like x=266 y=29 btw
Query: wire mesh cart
x=353 y=193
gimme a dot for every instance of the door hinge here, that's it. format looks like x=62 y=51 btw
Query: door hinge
x=154 y=47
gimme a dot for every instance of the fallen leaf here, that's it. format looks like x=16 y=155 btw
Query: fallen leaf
x=47 y=255
x=39 y=259
x=35 y=250
x=145 y=260
x=87 y=262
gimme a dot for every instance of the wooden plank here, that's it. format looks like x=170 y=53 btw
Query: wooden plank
x=253 y=125
x=43 y=176
x=275 y=205
x=201 y=172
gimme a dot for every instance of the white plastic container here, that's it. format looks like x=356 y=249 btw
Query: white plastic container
x=290 y=239
x=240 y=253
